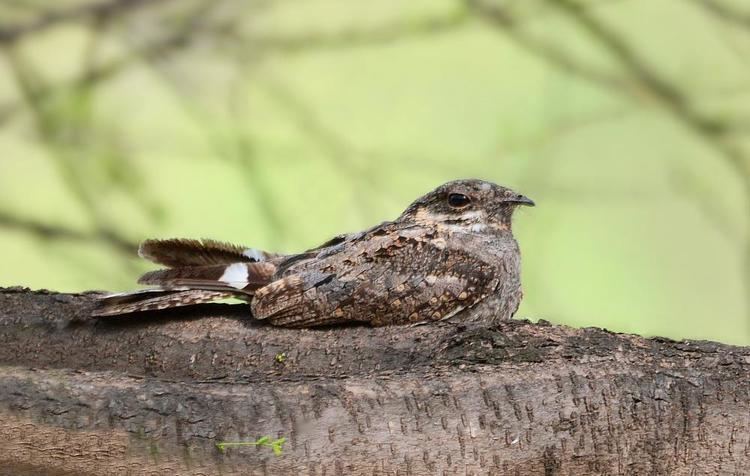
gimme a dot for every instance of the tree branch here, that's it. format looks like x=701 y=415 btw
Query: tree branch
x=54 y=232
x=715 y=133
x=157 y=392
x=712 y=131
x=725 y=13
x=550 y=52
x=99 y=10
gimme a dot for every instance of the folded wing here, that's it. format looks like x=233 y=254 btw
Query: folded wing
x=394 y=279
x=180 y=253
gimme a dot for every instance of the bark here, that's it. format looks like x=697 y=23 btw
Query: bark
x=153 y=394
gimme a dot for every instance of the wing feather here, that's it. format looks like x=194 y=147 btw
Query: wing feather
x=246 y=276
x=181 y=253
x=383 y=283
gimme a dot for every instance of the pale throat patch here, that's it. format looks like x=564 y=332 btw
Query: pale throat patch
x=426 y=217
x=235 y=275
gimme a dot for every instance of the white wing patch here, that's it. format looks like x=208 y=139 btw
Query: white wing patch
x=235 y=275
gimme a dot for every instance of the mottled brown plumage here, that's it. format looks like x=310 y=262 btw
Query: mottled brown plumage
x=451 y=254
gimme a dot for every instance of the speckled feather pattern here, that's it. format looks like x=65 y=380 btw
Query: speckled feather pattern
x=450 y=255
x=391 y=275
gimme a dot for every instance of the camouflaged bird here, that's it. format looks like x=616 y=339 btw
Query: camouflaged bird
x=451 y=254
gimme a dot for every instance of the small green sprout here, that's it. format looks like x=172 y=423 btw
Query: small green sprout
x=275 y=445
x=281 y=357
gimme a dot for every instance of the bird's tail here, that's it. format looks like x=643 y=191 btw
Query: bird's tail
x=201 y=272
x=155 y=299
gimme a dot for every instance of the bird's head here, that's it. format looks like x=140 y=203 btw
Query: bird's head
x=471 y=206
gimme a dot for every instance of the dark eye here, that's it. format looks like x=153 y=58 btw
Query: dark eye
x=458 y=200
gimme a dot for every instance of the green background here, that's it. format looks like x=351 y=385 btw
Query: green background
x=279 y=124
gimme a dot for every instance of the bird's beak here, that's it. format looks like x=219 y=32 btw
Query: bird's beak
x=522 y=200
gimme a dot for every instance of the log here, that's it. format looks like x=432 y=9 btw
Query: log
x=155 y=393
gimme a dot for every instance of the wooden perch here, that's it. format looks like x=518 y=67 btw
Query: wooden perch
x=154 y=394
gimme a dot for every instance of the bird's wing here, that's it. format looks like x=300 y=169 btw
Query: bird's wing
x=239 y=276
x=335 y=245
x=182 y=253
x=192 y=285
x=389 y=277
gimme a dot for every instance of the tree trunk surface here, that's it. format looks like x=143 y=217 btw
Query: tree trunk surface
x=155 y=393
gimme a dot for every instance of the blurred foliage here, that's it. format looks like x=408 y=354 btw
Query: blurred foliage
x=278 y=124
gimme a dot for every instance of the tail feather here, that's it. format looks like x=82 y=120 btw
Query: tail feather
x=240 y=276
x=180 y=253
x=156 y=299
x=198 y=271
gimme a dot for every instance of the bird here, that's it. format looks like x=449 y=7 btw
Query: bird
x=450 y=255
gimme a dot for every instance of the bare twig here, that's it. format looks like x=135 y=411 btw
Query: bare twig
x=717 y=134
x=56 y=232
x=353 y=38
x=670 y=97
x=238 y=146
x=99 y=73
x=64 y=139
x=713 y=132
x=550 y=52
x=725 y=12
x=101 y=9
x=259 y=44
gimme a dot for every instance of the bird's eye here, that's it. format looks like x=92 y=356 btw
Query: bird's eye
x=458 y=200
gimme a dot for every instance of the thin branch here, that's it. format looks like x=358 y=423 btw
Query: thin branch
x=265 y=44
x=725 y=13
x=717 y=134
x=102 y=9
x=547 y=51
x=95 y=75
x=52 y=131
x=56 y=232
x=712 y=131
x=354 y=38
x=660 y=90
x=65 y=140
x=238 y=147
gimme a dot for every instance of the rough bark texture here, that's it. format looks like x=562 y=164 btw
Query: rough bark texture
x=154 y=394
